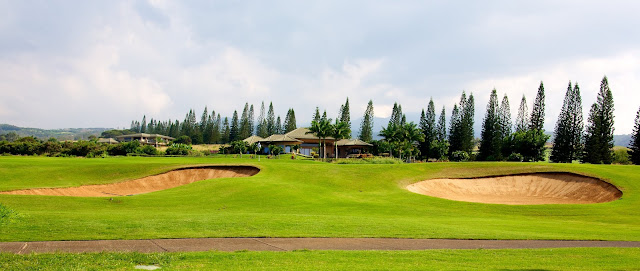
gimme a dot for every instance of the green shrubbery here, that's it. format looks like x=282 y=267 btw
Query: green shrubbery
x=179 y=149
x=81 y=148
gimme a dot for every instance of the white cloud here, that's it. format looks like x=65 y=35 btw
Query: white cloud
x=621 y=70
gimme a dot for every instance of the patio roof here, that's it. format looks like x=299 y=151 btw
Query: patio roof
x=352 y=142
x=281 y=139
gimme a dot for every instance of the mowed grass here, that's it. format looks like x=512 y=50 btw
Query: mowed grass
x=501 y=259
x=292 y=198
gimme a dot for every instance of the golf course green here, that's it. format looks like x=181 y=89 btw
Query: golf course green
x=300 y=198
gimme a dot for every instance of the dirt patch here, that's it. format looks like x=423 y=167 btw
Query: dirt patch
x=522 y=189
x=148 y=184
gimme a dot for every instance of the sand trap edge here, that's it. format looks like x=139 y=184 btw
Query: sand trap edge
x=147 y=184
x=606 y=185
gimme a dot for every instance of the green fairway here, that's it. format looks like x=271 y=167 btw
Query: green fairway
x=502 y=259
x=299 y=199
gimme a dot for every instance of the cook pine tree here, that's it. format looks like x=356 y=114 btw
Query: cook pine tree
x=366 y=127
x=598 y=139
x=634 y=153
x=567 y=141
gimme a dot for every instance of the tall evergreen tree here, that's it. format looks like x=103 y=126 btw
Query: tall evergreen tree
x=271 y=120
x=203 y=119
x=635 y=141
x=537 y=113
x=522 y=120
x=261 y=129
x=396 y=115
x=467 y=120
x=568 y=133
x=598 y=143
x=442 y=126
x=244 y=130
x=428 y=127
x=143 y=126
x=461 y=135
x=278 y=128
x=251 y=121
x=234 y=132
x=226 y=134
x=345 y=115
x=218 y=130
x=455 y=139
x=505 y=117
x=208 y=131
x=290 y=121
x=366 y=127
x=491 y=137
x=316 y=115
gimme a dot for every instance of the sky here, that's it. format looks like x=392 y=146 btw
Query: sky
x=73 y=64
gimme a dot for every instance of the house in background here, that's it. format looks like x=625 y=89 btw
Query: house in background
x=285 y=141
x=148 y=139
x=307 y=141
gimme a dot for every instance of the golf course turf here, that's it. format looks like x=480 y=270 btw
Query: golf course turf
x=302 y=199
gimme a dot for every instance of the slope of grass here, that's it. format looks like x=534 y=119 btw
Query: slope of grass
x=293 y=198
x=502 y=259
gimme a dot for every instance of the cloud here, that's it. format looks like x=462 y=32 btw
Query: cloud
x=588 y=72
x=119 y=60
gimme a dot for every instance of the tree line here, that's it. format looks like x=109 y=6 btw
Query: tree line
x=501 y=138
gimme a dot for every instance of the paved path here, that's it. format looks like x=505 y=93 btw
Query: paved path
x=288 y=244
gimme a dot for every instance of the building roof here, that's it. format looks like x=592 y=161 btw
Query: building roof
x=253 y=139
x=281 y=139
x=107 y=140
x=352 y=142
x=146 y=136
x=304 y=133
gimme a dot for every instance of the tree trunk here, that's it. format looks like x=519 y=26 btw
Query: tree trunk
x=324 y=149
x=336 y=143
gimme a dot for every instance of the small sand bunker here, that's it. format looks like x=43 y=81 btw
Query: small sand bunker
x=521 y=189
x=148 y=184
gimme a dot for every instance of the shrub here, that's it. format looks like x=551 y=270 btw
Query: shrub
x=131 y=147
x=515 y=157
x=150 y=150
x=182 y=140
x=621 y=156
x=459 y=156
x=179 y=149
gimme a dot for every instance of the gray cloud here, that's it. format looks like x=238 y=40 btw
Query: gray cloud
x=78 y=63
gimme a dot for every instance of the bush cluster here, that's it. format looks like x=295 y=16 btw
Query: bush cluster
x=81 y=148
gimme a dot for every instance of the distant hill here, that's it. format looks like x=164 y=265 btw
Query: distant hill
x=622 y=140
x=60 y=134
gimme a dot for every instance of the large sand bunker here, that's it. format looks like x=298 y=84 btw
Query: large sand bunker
x=148 y=184
x=521 y=189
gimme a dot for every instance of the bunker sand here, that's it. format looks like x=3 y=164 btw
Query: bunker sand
x=148 y=184
x=522 y=189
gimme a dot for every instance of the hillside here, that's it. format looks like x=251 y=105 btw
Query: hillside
x=60 y=134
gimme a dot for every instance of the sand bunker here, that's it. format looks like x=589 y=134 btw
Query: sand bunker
x=148 y=184
x=521 y=189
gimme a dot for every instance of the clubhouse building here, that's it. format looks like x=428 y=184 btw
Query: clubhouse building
x=306 y=142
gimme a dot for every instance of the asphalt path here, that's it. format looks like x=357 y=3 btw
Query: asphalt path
x=289 y=244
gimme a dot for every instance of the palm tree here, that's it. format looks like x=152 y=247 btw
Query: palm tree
x=410 y=135
x=340 y=130
x=390 y=135
x=322 y=129
x=239 y=146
